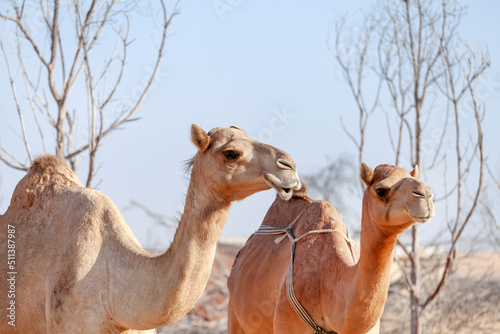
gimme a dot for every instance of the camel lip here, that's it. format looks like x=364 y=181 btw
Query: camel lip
x=283 y=190
x=421 y=220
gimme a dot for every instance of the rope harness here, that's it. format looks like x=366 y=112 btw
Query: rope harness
x=267 y=229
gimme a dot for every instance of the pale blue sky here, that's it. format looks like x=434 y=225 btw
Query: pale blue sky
x=263 y=66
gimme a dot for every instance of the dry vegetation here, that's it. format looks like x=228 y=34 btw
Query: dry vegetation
x=469 y=303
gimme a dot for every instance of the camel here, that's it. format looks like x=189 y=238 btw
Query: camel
x=337 y=293
x=78 y=266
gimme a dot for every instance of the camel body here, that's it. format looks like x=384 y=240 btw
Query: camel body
x=79 y=268
x=338 y=293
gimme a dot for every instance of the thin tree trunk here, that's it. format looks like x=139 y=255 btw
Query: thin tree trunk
x=61 y=122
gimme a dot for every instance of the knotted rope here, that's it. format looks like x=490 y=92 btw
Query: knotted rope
x=297 y=306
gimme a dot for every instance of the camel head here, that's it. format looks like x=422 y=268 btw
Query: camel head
x=396 y=199
x=236 y=166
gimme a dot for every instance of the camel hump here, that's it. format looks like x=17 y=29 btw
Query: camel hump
x=47 y=173
x=51 y=168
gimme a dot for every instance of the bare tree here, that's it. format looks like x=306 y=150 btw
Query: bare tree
x=354 y=61
x=328 y=181
x=433 y=117
x=81 y=49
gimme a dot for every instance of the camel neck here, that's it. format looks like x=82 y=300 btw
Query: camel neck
x=204 y=216
x=189 y=259
x=372 y=276
x=173 y=282
x=377 y=247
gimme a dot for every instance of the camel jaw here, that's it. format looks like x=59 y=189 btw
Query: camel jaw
x=284 y=190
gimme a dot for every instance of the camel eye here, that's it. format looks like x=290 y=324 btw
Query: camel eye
x=381 y=192
x=231 y=155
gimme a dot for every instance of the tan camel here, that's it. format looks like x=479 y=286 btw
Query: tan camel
x=79 y=268
x=339 y=294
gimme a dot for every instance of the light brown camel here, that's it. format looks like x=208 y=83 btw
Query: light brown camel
x=79 y=268
x=339 y=294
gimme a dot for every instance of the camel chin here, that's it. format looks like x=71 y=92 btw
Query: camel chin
x=285 y=193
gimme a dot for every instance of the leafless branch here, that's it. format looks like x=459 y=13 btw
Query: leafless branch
x=16 y=99
x=497 y=182
x=91 y=21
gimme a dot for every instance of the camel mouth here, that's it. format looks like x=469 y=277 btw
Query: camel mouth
x=420 y=220
x=283 y=190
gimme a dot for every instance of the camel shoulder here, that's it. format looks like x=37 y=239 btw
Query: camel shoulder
x=105 y=215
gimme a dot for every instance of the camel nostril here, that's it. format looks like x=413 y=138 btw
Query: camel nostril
x=417 y=194
x=286 y=190
x=284 y=164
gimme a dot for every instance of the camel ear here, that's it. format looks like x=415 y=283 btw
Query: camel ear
x=415 y=172
x=199 y=137
x=236 y=127
x=366 y=174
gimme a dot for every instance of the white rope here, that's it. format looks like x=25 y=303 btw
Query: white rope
x=267 y=229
